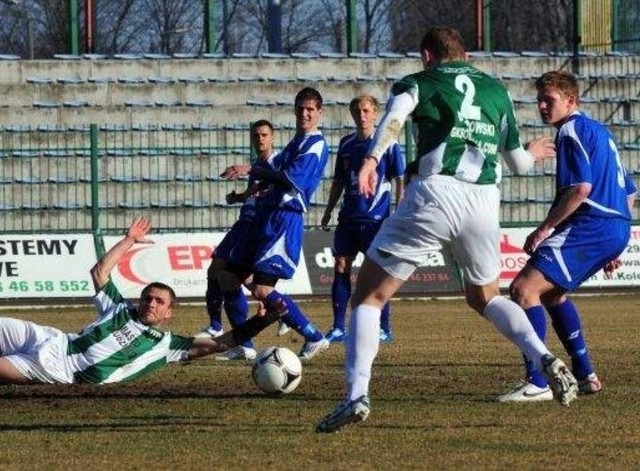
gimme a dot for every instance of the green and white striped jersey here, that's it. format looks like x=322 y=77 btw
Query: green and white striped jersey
x=462 y=118
x=117 y=347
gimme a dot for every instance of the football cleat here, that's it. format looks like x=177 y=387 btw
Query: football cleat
x=561 y=381
x=210 y=332
x=237 y=353
x=590 y=384
x=282 y=328
x=348 y=412
x=526 y=392
x=386 y=336
x=311 y=349
x=336 y=335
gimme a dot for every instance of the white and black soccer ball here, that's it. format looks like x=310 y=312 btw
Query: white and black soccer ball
x=277 y=370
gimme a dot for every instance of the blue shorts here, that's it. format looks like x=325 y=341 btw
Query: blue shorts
x=352 y=237
x=278 y=243
x=238 y=236
x=579 y=249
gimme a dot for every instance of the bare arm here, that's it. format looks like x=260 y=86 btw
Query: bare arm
x=569 y=202
x=136 y=233
x=337 y=187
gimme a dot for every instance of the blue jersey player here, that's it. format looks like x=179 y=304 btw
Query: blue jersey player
x=234 y=301
x=586 y=230
x=360 y=217
x=272 y=249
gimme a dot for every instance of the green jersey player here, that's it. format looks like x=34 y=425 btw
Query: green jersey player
x=124 y=343
x=463 y=119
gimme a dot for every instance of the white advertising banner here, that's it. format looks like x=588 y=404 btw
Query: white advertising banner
x=181 y=261
x=46 y=266
x=513 y=258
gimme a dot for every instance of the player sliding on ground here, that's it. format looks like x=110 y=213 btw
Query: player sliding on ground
x=124 y=343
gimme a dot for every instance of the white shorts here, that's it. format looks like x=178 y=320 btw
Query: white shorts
x=441 y=213
x=38 y=352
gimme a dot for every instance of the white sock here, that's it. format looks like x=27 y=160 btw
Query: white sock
x=512 y=322
x=362 y=347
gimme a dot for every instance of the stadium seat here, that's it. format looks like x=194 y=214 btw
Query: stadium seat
x=67 y=57
x=162 y=80
x=192 y=79
x=156 y=56
x=95 y=56
x=70 y=80
x=127 y=57
x=138 y=103
x=47 y=104
x=40 y=80
x=198 y=103
x=132 y=80
x=273 y=55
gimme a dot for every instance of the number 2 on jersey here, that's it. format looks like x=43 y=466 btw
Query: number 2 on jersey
x=467 y=109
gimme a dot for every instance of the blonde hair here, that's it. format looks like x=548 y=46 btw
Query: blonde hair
x=373 y=101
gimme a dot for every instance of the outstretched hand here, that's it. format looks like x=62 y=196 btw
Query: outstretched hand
x=138 y=230
x=236 y=171
x=542 y=148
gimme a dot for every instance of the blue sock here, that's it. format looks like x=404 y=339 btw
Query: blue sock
x=237 y=309
x=340 y=294
x=385 y=322
x=214 y=303
x=294 y=318
x=538 y=319
x=566 y=322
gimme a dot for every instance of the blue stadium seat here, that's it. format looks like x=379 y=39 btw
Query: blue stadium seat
x=132 y=80
x=162 y=80
x=67 y=57
x=127 y=57
x=168 y=103
x=192 y=79
x=156 y=56
x=199 y=103
x=46 y=104
x=40 y=80
x=273 y=55
x=75 y=103
x=100 y=80
x=184 y=55
x=95 y=56
x=70 y=80
x=138 y=103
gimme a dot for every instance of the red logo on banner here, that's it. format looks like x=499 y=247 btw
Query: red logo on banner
x=126 y=270
x=512 y=260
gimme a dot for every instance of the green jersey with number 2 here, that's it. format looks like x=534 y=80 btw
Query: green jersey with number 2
x=463 y=118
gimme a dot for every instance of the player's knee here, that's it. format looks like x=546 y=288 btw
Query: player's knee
x=519 y=292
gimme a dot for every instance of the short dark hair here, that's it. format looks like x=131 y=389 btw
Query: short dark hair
x=444 y=43
x=261 y=122
x=162 y=286
x=309 y=93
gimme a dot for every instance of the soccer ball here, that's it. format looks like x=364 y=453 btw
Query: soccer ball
x=277 y=370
